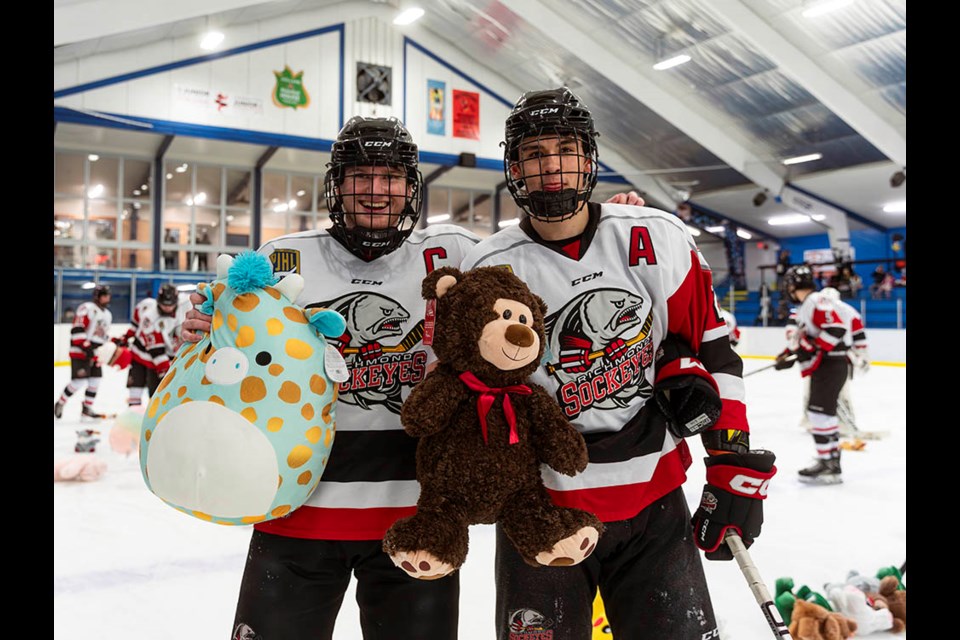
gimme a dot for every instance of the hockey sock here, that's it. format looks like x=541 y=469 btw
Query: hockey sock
x=826 y=434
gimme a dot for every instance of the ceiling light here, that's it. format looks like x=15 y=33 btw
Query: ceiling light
x=746 y=235
x=715 y=229
x=280 y=208
x=759 y=199
x=301 y=193
x=292 y=204
x=793 y=218
x=143 y=187
x=508 y=223
x=136 y=192
x=93 y=157
x=895 y=207
x=671 y=62
x=200 y=198
x=181 y=168
x=169 y=176
x=828 y=6
x=898 y=178
x=95 y=191
x=184 y=288
x=409 y=15
x=807 y=158
x=88 y=285
x=693 y=231
x=211 y=40
x=438 y=218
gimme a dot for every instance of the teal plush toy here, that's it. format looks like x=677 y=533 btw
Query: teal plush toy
x=240 y=428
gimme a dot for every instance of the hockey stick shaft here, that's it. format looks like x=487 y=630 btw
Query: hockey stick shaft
x=771 y=366
x=757 y=586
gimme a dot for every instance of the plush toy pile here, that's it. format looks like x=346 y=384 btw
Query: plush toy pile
x=484 y=432
x=240 y=428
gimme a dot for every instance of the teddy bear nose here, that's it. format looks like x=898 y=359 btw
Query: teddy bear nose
x=519 y=335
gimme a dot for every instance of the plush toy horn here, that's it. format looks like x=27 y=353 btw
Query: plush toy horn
x=290 y=286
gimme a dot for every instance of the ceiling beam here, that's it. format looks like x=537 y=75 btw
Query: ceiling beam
x=813 y=77
x=710 y=131
x=91 y=19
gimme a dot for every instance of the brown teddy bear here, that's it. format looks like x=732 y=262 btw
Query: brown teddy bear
x=810 y=621
x=484 y=431
x=896 y=601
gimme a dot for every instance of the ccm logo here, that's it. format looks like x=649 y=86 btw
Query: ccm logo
x=749 y=486
x=543 y=112
x=377 y=143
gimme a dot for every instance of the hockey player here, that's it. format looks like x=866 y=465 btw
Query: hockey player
x=89 y=331
x=368 y=266
x=731 y=322
x=827 y=332
x=624 y=284
x=154 y=328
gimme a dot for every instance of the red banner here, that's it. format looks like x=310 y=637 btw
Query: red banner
x=466 y=114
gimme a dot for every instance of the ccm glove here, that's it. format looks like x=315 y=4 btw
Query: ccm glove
x=685 y=393
x=732 y=499
x=785 y=360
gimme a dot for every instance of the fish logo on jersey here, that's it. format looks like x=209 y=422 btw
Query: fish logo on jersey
x=604 y=344
x=378 y=370
x=529 y=623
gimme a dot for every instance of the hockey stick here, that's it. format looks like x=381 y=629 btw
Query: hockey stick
x=789 y=358
x=593 y=355
x=844 y=413
x=757 y=586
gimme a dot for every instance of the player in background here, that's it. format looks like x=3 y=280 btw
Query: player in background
x=154 y=328
x=624 y=284
x=828 y=334
x=859 y=358
x=731 y=322
x=89 y=331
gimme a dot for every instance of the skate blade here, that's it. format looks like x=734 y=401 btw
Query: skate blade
x=871 y=435
x=832 y=479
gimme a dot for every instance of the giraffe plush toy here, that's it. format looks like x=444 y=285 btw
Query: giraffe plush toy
x=240 y=428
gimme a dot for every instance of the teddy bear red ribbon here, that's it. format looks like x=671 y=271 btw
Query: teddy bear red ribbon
x=486 y=398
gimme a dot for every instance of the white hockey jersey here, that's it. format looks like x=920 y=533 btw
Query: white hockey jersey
x=370 y=479
x=89 y=330
x=156 y=335
x=638 y=277
x=828 y=323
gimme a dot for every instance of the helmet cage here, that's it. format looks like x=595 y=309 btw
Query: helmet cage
x=373 y=166
x=555 y=116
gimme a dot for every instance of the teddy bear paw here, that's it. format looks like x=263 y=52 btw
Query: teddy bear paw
x=571 y=550
x=422 y=564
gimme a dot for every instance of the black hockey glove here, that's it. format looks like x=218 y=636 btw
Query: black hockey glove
x=684 y=392
x=785 y=360
x=732 y=499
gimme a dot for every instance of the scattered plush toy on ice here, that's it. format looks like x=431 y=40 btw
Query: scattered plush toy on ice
x=810 y=621
x=82 y=467
x=484 y=432
x=240 y=428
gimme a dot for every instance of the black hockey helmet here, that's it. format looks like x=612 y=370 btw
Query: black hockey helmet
x=798 y=278
x=550 y=114
x=99 y=291
x=373 y=143
x=168 y=295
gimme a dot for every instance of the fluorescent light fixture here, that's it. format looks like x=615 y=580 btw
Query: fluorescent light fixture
x=409 y=15
x=715 y=229
x=301 y=193
x=508 y=223
x=895 y=207
x=143 y=187
x=186 y=288
x=211 y=40
x=280 y=208
x=693 y=231
x=822 y=8
x=136 y=192
x=793 y=218
x=93 y=157
x=671 y=62
x=95 y=191
x=438 y=218
x=88 y=285
x=169 y=176
x=230 y=218
x=181 y=168
x=746 y=235
x=292 y=204
x=188 y=201
x=807 y=158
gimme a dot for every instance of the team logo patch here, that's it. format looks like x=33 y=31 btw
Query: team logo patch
x=708 y=502
x=285 y=261
x=529 y=624
x=244 y=632
x=603 y=341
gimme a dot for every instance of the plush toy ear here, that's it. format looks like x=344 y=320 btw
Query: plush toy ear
x=224 y=262
x=438 y=282
x=206 y=291
x=326 y=321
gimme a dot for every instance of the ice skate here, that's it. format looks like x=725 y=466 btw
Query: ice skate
x=822 y=472
x=89 y=415
x=87 y=440
x=58 y=409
